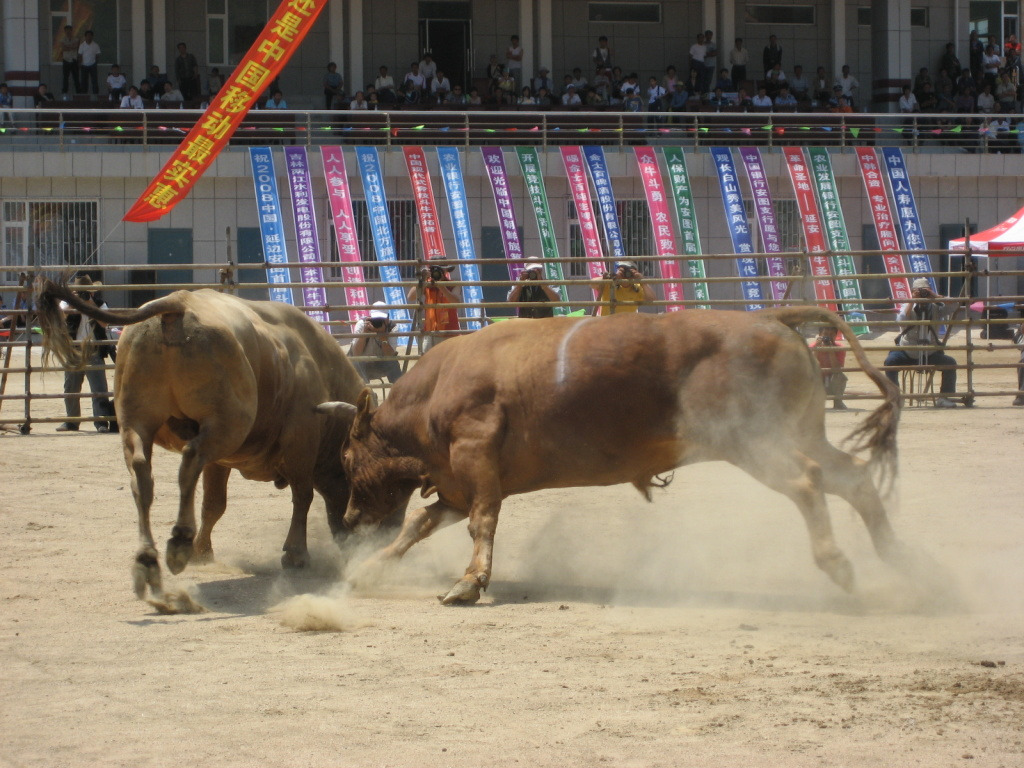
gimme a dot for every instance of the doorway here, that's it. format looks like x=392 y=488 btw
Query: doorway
x=446 y=34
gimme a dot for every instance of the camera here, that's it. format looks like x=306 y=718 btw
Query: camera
x=377 y=322
x=436 y=273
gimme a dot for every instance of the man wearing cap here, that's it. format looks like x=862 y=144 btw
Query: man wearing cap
x=439 y=322
x=373 y=340
x=529 y=289
x=630 y=290
x=928 y=314
x=81 y=328
x=542 y=80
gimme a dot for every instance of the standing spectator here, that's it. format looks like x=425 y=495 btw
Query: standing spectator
x=1018 y=339
x=214 y=82
x=630 y=290
x=738 y=58
x=373 y=339
x=133 y=99
x=991 y=62
x=529 y=289
x=88 y=64
x=848 y=85
x=698 y=52
x=514 y=59
x=440 y=321
x=69 y=60
x=655 y=97
x=771 y=55
x=42 y=97
x=831 y=358
x=332 y=83
x=950 y=62
x=276 y=101
x=710 y=58
x=186 y=72
x=6 y=102
x=820 y=88
x=82 y=329
x=920 y=80
x=385 y=86
x=602 y=57
x=428 y=67
x=543 y=80
x=439 y=87
x=116 y=83
x=976 y=50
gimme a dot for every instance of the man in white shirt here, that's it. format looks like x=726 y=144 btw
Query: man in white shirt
x=738 y=58
x=414 y=79
x=848 y=84
x=762 y=99
x=69 y=59
x=428 y=67
x=88 y=62
x=698 y=52
x=117 y=83
x=132 y=100
x=514 y=59
x=439 y=87
x=908 y=101
x=570 y=98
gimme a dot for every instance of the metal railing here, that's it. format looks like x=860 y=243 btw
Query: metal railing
x=980 y=339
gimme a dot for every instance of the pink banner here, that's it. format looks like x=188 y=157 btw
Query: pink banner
x=423 y=195
x=664 y=236
x=494 y=162
x=766 y=222
x=576 y=170
x=340 y=199
x=874 y=183
x=814 y=235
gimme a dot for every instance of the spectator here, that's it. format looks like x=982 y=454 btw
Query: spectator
x=414 y=82
x=6 y=102
x=82 y=329
x=710 y=58
x=950 y=62
x=921 y=79
x=116 y=84
x=186 y=72
x=171 y=97
x=798 y=84
x=373 y=339
x=133 y=99
x=942 y=80
x=474 y=98
x=385 y=86
x=738 y=58
x=428 y=67
x=333 y=85
x=976 y=51
x=494 y=68
x=1018 y=339
x=506 y=89
x=542 y=80
x=602 y=56
x=785 y=101
x=928 y=101
x=679 y=98
x=966 y=80
x=762 y=100
x=543 y=97
x=69 y=45
x=42 y=97
x=724 y=82
x=514 y=59
x=831 y=359
x=579 y=80
x=570 y=98
x=771 y=55
x=1006 y=93
x=986 y=101
x=439 y=321
x=669 y=81
x=964 y=101
x=819 y=86
x=439 y=86
x=214 y=82
x=146 y=91
x=157 y=79
x=630 y=90
x=602 y=86
x=456 y=97
x=529 y=289
x=719 y=99
x=372 y=102
x=926 y=313
x=743 y=99
x=526 y=97
x=88 y=64
x=775 y=80
x=908 y=102
x=698 y=52
x=276 y=101
x=359 y=102
x=842 y=106
x=991 y=63
x=630 y=290
x=946 y=102
x=848 y=84
x=655 y=96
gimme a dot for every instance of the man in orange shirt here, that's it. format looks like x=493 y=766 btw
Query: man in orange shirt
x=831 y=359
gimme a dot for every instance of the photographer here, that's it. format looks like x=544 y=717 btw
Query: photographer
x=529 y=289
x=439 y=321
x=630 y=290
x=930 y=313
x=81 y=328
x=374 y=341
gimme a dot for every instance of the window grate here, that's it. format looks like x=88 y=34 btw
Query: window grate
x=49 y=234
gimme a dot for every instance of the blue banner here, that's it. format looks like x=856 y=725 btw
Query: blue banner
x=906 y=212
x=598 y=167
x=268 y=207
x=383 y=239
x=739 y=228
x=455 y=191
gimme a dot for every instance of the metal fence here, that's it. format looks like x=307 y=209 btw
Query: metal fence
x=979 y=335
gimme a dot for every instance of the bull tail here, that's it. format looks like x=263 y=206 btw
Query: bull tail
x=59 y=343
x=877 y=433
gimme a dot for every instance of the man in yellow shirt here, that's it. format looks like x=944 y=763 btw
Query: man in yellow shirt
x=630 y=290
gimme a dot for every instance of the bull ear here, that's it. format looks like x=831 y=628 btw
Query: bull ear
x=426 y=487
x=365 y=408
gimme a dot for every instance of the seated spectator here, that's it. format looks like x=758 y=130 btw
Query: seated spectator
x=117 y=83
x=820 y=91
x=456 y=97
x=146 y=91
x=156 y=79
x=799 y=85
x=1006 y=92
x=526 y=97
x=679 y=98
x=655 y=95
x=543 y=97
x=785 y=101
x=385 y=86
x=946 y=101
x=966 y=80
x=762 y=100
x=214 y=82
x=986 y=101
x=774 y=80
x=602 y=85
x=372 y=102
x=743 y=100
x=171 y=96
x=630 y=90
x=133 y=99
x=494 y=68
x=724 y=82
x=594 y=98
x=474 y=98
x=506 y=91
x=42 y=97
x=837 y=91
x=414 y=83
x=921 y=79
x=570 y=98
x=669 y=81
x=333 y=85
x=579 y=80
x=440 y=86
x=719 y=100
x=359 y=101
x=942 y=81
x=928 y=101
x=842 y=106
x=566 y=82
x=964 y=101
x=276 y=101
x=542 y=80
x=908 y=102
x=428 y=67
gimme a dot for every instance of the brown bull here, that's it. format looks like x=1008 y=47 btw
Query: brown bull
x=228 y=384
x=522 y=406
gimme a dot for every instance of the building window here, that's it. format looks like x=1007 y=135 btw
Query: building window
x=637 y=237
x=632 y=13
x=232 y=26
x=919 y=17
x=404 y=228
x=779 y=14
x=48 y=234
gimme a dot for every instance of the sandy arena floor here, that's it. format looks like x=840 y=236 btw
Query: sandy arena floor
x=695 y=631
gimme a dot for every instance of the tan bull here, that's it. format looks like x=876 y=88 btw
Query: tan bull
x=527 y=405
x=228 y=384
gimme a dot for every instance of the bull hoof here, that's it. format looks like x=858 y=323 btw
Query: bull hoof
x=840 y=570
x=293 y=561
x=202 y=557
x=465 y=591
x=179 y=552
x=146 y=572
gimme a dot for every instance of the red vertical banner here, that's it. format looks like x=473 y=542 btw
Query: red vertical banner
x=211 y=133
x=423 y=196
x=576 y=170
x=888 y=242
x=661 y=219
x=340 y=199
x=810 y=219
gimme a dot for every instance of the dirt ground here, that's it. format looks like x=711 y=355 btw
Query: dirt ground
x=695 y=631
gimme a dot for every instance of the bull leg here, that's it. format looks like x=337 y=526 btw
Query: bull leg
x=296 y=555
x=798 y=477
x=179 y=546
x=138 y=450
x=215 y=501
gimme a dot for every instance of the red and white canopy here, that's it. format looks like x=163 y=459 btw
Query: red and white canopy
x=1004 y=239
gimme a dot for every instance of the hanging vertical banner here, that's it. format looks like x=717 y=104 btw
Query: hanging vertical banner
x=810 y=220
x=572 y=159
x=529 y=162
x=765 y=219
x=494 y=162
x=306 y=236
x=906 y=212
x=739 y=230
x=268 y=205
x=598 y=167
x=340 y=199
x=469 y=272
x=888 y=242
x=212 y=131
x=661 y=220
x=383 y=238
x=423 y=197
x=689 y=234
x=838 y=239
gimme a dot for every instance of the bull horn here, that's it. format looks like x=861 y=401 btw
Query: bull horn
x=336 y=408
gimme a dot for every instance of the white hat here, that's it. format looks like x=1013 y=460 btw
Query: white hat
x=379 y=313
x=533 y=262
x=921 y=284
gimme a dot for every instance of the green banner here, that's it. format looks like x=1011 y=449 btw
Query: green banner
x=838 y=239
x=529 y=161
x=682 y=194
